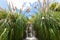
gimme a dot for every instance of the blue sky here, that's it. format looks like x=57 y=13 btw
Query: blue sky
x=58 y=0
x=3 y=4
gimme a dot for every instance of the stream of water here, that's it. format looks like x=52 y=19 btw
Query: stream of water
x=30 y=33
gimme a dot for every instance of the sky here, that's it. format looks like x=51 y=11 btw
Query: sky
x=58 y=0
x=3 y=4
x=17 y=3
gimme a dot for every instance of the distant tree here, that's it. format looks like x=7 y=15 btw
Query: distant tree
x=57 y=8
x=53 y=5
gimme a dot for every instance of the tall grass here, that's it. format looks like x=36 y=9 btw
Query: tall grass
x=47 y=27
x=12 y=26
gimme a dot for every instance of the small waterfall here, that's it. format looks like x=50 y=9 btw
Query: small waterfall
x=30 y=33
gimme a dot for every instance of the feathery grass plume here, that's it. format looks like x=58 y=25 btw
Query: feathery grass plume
x=47 y=28
x=15 y=25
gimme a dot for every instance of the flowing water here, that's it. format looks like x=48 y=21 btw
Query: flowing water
x=30 y=33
